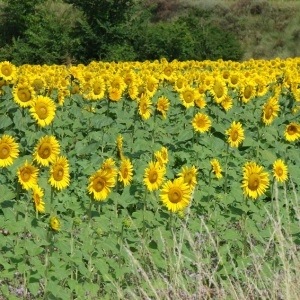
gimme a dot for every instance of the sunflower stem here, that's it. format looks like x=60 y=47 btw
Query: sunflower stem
x=144 y=211
x=226 y=167
x=153 y=129
x=108 y=105
x=90 y=210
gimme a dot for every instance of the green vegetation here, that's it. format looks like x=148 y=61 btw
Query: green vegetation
x=48 y=31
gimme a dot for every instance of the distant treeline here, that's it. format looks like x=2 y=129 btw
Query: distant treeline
x=79 y=31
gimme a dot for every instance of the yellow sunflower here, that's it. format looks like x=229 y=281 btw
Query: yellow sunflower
x=9 y=150
x=109 y=166
x=162 y=155
x=200 y=101
x=59 y=173
x=145 y=107
x=126 y=171
x=23 y=94
x=54 y=223
x=27 y=175
x=43 y=110
x=8 y=71
x=162 y=106
x=175 y=195
x=280 y=170
x=270 y=111
x=187 y=96
x=37 y=198
x=216 y=168
x=120 y=146
x=46 y=150
x=154 y=176
x=189 y=176
x=255 y=181
x=219 y=90
x=97 y=89
x=227 y=103
x=292 y=132
x=100 y=185
x=115 y=94
x=201 y=122
x=235 y=134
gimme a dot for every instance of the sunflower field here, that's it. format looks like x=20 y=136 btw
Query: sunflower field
x=150 y=180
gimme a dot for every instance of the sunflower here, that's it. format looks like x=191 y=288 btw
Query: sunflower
x=97 y=88
x=187 y=96
x=235 y=134
x=201 y=122
x=126 y=171
x=292 y=132
x=154 y=176
x=43 y=110
x=8 y=71
x=227 y=103
x=145 y=107
x=109 y=166
x=175 y=195
x=54 y=223
x=280 y=170
x=9 y=150
x=37 y=198
x=23 y=94
x=120 y=146
x=59 y=173
x=162 y=155
x=270 y=111
x=162 y=106
x=151 y=85
x=255 y=181
x=216 y=168
x=27 y=175
x=100 y=185
x=115 y=94
x=247 y=92
x=46 y=150
x=189 y=176
x=219 y=90
x=200 y=101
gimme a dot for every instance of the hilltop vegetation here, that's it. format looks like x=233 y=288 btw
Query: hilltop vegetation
x=72 y=31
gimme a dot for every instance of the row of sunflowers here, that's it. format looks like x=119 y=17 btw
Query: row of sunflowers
x=43 y=90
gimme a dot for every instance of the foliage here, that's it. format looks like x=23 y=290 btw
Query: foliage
x=224 y=244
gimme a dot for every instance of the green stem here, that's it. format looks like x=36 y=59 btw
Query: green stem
x=90 y=210
x=226 y=169
x=108 y=105
x=144 y=211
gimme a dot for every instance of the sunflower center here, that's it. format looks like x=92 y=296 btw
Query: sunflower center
x=253 y=182
x=97 y=88
x=6 y=70
x=218 y=89
x=37 y=199
x=248 y=91
x=168 y=71
x=201 y=123
x=175 y=195
x=125 y=173
x=99 y=184
x=234 y=135
x=279 y=171
x=188 y=97
x=24 y=95
x=41 y=110
x=269 y=112
x=37 y=84
x=153 y=176
x=292 y=130
x=25 y=174
x=188 y=178
x=4 y=151
x=44 y=150
x=150 y=86
x=234 y=79
x=58 y=173
x=179 y=83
